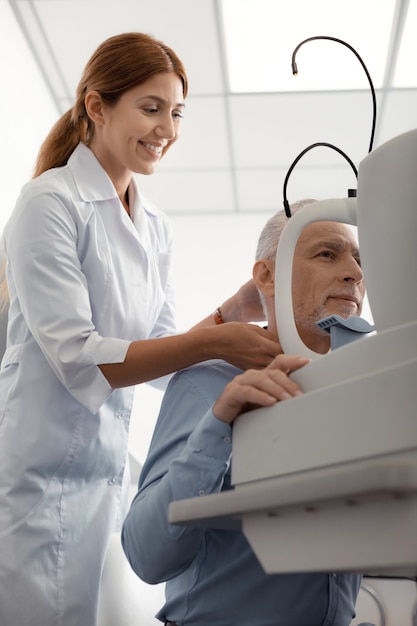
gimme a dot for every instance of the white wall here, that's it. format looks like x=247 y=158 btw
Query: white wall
x=26 y=111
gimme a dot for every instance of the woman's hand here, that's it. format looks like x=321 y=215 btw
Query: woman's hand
x=258 y=388
x=244 y=306
x=243 y=345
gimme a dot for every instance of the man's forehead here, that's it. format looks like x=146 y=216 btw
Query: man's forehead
x=328 y=231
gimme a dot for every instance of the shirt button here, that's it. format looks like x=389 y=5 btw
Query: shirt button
x=201 y=492
x=227 y=440
x=112 y=480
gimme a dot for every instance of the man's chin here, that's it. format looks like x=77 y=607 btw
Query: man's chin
x=344 y=311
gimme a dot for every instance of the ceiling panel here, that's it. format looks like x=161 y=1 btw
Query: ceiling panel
x=260 y=190
x=74 y=28
x=270 y=130
x=235 y=149
x=406 y=72
x=209 y=191
x=262 y=34
x=204 y=140
x=399 y=113
x=263 y=191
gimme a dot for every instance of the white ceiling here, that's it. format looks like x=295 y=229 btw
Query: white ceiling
x=235 y=149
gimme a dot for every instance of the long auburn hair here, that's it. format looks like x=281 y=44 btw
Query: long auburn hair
x=118 y=64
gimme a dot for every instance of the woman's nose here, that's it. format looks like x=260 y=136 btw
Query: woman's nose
x=166 y=128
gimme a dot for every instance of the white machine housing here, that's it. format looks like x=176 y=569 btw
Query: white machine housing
x=328 y=481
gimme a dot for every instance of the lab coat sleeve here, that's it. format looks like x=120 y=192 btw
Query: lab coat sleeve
x=189 y=456
x=45 y=271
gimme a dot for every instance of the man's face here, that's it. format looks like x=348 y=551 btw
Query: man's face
x=327 y=279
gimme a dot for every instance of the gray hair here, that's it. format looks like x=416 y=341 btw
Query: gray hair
x=269 y=237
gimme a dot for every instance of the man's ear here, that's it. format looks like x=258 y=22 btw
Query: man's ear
x=94 y=107
x=263 y=274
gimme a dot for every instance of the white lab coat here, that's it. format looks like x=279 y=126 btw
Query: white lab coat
x=84 y=281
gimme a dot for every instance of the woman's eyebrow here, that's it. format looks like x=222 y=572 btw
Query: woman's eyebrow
x=159 y=99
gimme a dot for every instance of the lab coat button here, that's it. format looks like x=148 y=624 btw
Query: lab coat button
x=112 y=480
x=122 y=415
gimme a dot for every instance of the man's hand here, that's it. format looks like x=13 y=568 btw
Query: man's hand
x=257 y=388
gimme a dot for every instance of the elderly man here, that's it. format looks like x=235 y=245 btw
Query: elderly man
x=213 y=576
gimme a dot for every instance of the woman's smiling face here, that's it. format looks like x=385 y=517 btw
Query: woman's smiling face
x=133 y=135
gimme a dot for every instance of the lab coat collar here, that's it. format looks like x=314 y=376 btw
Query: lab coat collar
x=90 y=178
x=94 y=184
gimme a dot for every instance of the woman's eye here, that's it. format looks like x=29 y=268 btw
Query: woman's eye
x=151 y=110
x=177 y=115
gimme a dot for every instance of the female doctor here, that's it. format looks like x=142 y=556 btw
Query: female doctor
x=91 y=314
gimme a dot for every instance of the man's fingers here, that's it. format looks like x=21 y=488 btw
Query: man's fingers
x=257 y=388
x=288 y=363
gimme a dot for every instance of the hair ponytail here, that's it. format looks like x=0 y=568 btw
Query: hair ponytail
x=60 y=143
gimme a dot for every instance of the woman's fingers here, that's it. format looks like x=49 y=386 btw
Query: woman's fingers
x=248 y=346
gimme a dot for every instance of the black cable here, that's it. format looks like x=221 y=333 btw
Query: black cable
x=351 y=192
x=295 y=72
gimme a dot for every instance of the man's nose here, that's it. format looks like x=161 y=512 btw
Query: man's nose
x=353 y=271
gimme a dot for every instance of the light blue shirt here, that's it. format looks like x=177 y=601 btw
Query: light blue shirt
x=213 y=576
x=84 y=281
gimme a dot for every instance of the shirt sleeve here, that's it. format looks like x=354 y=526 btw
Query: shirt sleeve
x=189 y=456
